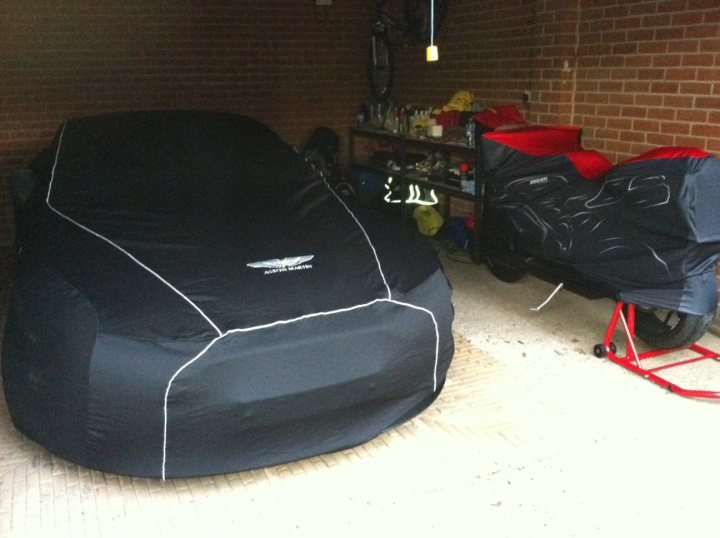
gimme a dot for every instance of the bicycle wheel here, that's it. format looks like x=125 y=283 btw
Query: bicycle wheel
x=417 y=18
x=667 y=329
x=381 y=66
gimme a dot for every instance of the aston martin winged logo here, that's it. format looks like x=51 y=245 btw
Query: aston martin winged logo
x=278 y=265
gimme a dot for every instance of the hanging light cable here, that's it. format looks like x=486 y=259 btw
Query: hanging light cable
x=431 y=53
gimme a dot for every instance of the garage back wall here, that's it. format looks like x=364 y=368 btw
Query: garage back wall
x=635 y=74
x=286 y=62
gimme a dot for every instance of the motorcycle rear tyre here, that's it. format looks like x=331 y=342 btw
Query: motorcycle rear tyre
x=504 y=270
x=675 y=331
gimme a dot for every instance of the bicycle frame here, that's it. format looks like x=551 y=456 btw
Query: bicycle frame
x=411 y=25
x=408 y=24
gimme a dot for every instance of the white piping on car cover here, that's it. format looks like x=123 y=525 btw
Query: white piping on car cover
x=362 y=229
x=115 y=245
x=222 y=334
x=389 y=299
x=287 y=322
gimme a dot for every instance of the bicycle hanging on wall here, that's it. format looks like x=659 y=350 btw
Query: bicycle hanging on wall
x=413 y=21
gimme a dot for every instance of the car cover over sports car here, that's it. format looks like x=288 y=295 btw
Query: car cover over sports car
x=192 y=298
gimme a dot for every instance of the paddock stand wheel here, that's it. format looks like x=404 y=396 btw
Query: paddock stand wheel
x=624 y=314
x=599 y=350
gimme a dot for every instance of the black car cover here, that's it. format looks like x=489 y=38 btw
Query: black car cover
x=192 y=298
x=647 y=230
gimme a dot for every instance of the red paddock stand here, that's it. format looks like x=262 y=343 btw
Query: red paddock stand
x=633 y=361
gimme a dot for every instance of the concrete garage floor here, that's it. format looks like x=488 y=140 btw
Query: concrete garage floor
x=532 y=437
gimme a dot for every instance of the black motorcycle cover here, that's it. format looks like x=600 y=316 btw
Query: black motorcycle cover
x=647 y=230
x=191 y=298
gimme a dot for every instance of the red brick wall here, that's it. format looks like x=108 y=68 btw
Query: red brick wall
x=285 y=62
x=552 y=78
x=648 y=75
x=634 y=74
x=486 y=47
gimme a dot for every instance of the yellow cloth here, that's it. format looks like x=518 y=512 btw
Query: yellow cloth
x=462 y=101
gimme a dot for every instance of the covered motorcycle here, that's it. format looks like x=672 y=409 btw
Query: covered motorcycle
x=646 y=231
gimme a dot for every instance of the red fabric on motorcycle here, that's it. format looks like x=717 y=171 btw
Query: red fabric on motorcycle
x=554 y=150
x=590 y=163
x=539 y=140
x=668 y=153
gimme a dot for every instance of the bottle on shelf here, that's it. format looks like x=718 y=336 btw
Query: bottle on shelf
x=470 y=133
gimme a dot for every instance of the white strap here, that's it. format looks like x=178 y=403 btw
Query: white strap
x=557 y=289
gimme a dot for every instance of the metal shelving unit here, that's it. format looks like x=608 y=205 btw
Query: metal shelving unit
x=408 y=175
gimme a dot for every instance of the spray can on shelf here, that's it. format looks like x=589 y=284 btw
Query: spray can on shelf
x=467 y=181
